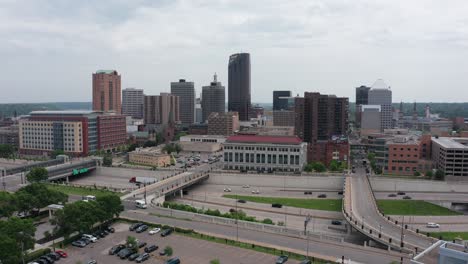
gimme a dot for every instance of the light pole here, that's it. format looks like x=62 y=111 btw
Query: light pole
x=306 y=222
x=21 y=233
x=237 y=223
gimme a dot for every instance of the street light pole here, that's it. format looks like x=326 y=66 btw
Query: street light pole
x=237 y=223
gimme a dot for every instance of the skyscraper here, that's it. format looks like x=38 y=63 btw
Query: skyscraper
x=380 y=94
x=280 y=103
x=239 y=85
x=161 y=109
x=213 y=99
x=132 y=102
x=362 y=95
x=186 y=93
x=107 y=91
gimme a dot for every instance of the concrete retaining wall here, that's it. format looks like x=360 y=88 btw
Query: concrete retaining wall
x=390 y=185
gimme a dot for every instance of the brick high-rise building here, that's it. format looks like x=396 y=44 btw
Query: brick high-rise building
x=213 y=99
x=107 y=91
x=322 y=120
x=223 y=124
x=112 y=131
x=132 y=102
x=161 y=109
x=239 y=85
x=186 y=93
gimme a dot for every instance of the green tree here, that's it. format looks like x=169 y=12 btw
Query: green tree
x=169 y=251
x=169 y=148
x=7 y=204
x=177 y=148
x=111 y=205
x=268 y=221
x=131 y=243
x=440 y=175
x=308 y=167
x=6 y=150
x=178 y=135
x=159 y=138
x=107 y=160
x=429 y=174
x=57 y=152
x=417 y=173
x=79 y=216
x=15 y=234
x=371 y=157
x=215 y=261
x=37 y=175
x=318 y=166
x=36 y=196
x=150 y=143
x=334 y=165
x=132 y=147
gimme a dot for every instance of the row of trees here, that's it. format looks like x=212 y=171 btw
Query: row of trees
x=172 y=147
x=16 y=236
x=334 y=166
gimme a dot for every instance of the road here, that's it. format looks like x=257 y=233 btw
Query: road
x=364 y=209
x=349 y=251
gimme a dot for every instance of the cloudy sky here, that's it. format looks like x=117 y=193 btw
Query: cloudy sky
x=49 y=49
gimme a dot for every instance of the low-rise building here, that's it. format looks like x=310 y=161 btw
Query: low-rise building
x=202 y=143
x=264 y=153
x=9 y=135
x=150 y=157
x=451 y=156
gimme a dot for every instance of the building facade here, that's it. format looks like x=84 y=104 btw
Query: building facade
x=284 y=118
x=150 y=157
x=10 y=135
x=107 y=91
x=161 y=109
x=264 y=153
x=111 y=131
x=223 y=124
x=451 y=156
x=362 y=95
x=380 y=94
x=213 y=99
x=132 y=102
x=239 y=98
x=280 y=100
x=186 y=93
x=202 y=143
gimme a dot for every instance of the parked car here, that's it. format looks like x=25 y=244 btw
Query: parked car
x=173 y=261
x=166 y=232
x=142 y=257
x=432 y=225
x=406 y=197
x=322 y=195
x=154 y=231
x=110 y=229
x=135 y=226
x=92 y=262
x=62 y=253
x=126 y=252
x=282 y=259
x=277 y=205
x=79 y=243
x=141 y=244
x=241 y=201
x=141 y=228
x=392 y=195
x=116 y=249
x=86 y=240
x=134 y=256
x=401 y=193
x=162 y=253
x=245 y=186
x=91 y=238
x=54 y=256
x=151 y=248
x=336 y=222
x=307 y=192
x=339 y=193
x=48 y=259
x=306 y=261
x=232 y=210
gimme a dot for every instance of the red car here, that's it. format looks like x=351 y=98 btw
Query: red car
x=63 y=254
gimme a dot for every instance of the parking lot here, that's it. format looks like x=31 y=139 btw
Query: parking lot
x=189 y=250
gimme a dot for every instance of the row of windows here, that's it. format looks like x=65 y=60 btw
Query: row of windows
x=409 y=156
x=261 y=158
x=409 y=149
x=263 y=149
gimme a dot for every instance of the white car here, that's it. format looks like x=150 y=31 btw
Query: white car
x=154 y=231
x=91 y=238
x=227 y=189
x=246 y=186
x=256 y=191
x=432 y=225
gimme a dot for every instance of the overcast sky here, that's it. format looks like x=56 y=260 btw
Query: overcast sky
x=49 y=49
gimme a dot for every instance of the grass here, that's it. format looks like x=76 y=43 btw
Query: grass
x=82 y=191
x=412 y=207
x=450 y=235
x=316 y=204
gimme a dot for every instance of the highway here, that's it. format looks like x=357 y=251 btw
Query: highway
x=364 y=209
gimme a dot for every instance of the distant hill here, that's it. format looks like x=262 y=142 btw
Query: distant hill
x=7 y=110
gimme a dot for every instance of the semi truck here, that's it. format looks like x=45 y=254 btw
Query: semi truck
x=143 y=180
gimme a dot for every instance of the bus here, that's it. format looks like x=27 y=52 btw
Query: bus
x=88 y=198
x=140 y=204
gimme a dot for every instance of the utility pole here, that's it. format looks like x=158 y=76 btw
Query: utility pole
x=402 y=235
x=306 y=222
x=237 y=223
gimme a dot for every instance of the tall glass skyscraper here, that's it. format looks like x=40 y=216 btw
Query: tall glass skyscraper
x=239 y=85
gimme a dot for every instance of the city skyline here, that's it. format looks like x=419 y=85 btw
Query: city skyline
x=331 y=46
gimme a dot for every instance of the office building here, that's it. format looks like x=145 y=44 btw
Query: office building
x=150 y=157
x=77 y=133
x=186 y=93
x=380 y=94
x=362 y=95
x=132 y=102
x=10 y=135
x=370 y=119
x=198 y=111
x=213 y=99
x=284 y=118
x=161 y=109
x=451 y=156
x=223 y=124
x=280 y=100
x=107 y=91
x=202 y=143
x=264 y=153
x=239 y=85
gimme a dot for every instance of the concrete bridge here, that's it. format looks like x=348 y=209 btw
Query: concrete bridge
x=68 y=170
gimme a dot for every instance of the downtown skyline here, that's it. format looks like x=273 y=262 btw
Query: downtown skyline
x=329 y=47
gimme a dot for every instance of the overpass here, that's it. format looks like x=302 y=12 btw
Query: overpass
x=28 y=167
x=68 y=170
x=170 y=185
x=361 y=212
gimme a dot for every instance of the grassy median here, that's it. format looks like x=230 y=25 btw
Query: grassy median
x=316 y=204
x=81 y=191
x=450 y=235
x=412 y=207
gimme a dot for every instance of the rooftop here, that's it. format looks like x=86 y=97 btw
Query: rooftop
x=292 y=140
x=63 y=112
x=106 y=71
x=453 y=143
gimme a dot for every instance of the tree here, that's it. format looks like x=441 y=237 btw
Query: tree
x=178 y=135
x=7 y=204
x=107 y=160
x=440 y=175
x=318 y=166
x=132 y=147
x=111 y=204
x=168 y=250
x=177 y=148
x=36 y=196
x=6 y=150
x=132 y=243
x=37 y=175
x=169 y=148
x=429 y=174
x=57 y=152
x=215 y=261
x=417 y=173
x=268 y=221
x=150 y=143
x=334 y=166
x=79 y=216
x=159 y=138
x=15 y=234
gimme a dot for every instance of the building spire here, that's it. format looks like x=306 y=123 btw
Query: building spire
x=215 y=77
